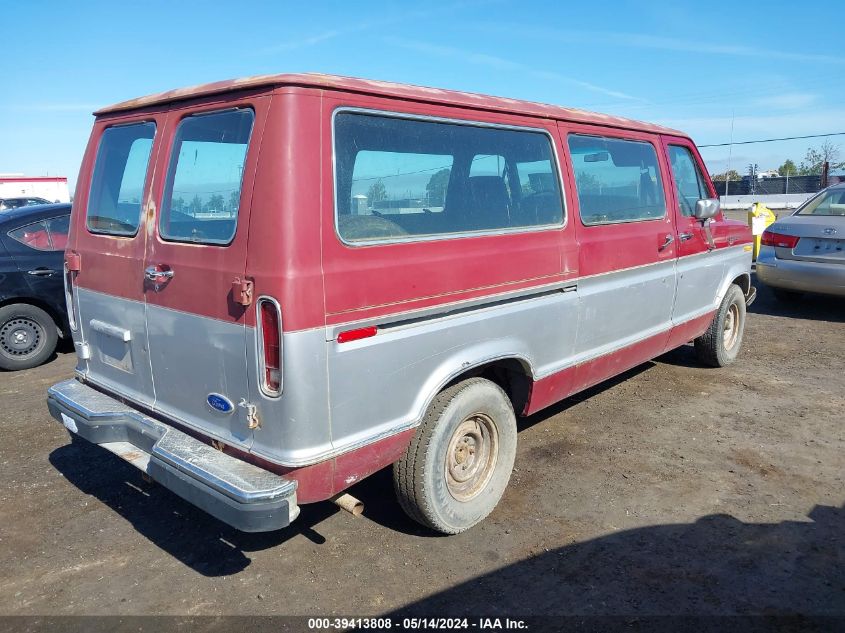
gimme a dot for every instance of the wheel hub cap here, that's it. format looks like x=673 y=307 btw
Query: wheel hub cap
x=471 y=456
x=20 y=337
x=731 y=329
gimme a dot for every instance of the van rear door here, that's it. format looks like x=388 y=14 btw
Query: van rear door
x=195 y=259
x=108 y=236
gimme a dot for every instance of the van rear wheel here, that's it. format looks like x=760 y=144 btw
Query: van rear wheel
x=719 y=345
x=28 y=336
x=458 y=465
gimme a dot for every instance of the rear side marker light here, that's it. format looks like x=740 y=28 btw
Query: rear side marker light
x=770 y=238
x=357 y=335
x=270 y=352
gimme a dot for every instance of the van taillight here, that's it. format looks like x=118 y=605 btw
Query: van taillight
x=770 y=238
x=270 y=354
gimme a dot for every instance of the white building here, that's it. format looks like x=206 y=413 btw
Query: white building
x=52 y=188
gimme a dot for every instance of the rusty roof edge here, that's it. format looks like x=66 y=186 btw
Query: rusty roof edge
x=385 y=88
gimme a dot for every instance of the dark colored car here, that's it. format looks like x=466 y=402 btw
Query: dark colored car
x=17 y=203
x=33 y=313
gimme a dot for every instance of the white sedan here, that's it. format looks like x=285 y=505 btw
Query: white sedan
x=805 y=252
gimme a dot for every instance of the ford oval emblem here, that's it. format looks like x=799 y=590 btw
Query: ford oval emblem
x=220 y=403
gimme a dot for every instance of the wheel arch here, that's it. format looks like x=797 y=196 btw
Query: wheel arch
x=510 y=371
x=55 y=315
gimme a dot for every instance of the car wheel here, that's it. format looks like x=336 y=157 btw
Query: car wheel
x=786 y=296
x=28 y=336
x=459 y=463
x=719 y=345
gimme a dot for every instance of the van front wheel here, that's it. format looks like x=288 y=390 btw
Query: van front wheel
x=719 y=345
x=459 y=463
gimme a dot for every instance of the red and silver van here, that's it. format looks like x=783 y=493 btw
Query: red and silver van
x=279 y=285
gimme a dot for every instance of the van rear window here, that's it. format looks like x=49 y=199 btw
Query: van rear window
x=203 y=193
x=403 y=179
x=117 y=185
x=617 y=180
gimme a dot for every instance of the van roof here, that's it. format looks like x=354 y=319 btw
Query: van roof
x=386 y=88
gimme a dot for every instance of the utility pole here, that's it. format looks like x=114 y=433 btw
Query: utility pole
x=730 y=151
x=752 y=176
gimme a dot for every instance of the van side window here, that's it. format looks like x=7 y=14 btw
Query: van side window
x=689 y=183
x=203 y=192
x=617 y=180
x=117 y=184
x=398 y=179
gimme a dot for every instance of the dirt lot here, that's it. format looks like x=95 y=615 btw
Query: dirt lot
x=675 y=489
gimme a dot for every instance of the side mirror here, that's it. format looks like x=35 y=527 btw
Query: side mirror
x=706 y=208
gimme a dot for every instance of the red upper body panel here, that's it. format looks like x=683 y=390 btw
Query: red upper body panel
x=291 y=250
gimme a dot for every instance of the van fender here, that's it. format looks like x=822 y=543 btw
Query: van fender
x=464 y=361
x=734 y=270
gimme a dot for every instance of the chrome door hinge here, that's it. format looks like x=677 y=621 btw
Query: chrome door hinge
x=242 y=291
x=251 y=414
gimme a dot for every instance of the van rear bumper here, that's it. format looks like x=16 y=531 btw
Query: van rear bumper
x=243 y=495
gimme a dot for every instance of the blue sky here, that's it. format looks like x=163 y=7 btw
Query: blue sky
x=774 y=71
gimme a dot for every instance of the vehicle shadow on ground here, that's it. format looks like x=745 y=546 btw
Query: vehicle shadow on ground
x=211 y=547
x=717 y=565
x=206 y=545
x=806 y=306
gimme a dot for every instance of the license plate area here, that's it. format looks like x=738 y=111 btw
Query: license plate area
x=821 y=249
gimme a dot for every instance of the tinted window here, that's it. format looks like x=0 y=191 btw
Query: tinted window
x=617 y=181
x=401 y=178
x=117 y=185
x=689 y=182
x=204 y=178
x=34 y=235
x=58 y=228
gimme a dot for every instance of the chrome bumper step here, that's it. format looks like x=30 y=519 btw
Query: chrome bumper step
x=243 y=495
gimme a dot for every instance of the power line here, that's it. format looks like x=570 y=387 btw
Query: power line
x=771 y=140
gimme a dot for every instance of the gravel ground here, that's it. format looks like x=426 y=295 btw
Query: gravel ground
x=674 y=489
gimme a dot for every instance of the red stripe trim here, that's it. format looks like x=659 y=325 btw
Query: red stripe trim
x=6 y=179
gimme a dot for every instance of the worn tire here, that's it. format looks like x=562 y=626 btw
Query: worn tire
x=715 y=347
x=28 y=336
x=423 y=478
x=786 y=296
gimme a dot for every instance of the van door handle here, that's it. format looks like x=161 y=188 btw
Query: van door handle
x=685 y=236
x=666 y=241
x=156 y=273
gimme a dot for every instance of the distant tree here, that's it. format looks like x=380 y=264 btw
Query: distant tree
x=788 y=168
x=732 y=175
x=377 y=192
x=196 y=204
x=178 y=204
x=436 y=187
x=816 y=157
x=586 y=181
x=216 y=202
x=234 y=200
